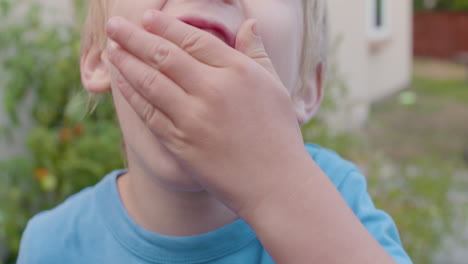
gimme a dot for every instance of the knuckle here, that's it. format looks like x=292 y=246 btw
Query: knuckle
x=180 y=143
x=242 y=68
x=158 y=54
x=258 y=53
x=148 y=113
x=191 y=42
x=180 y=138
x=148 y=80
x=117 y=56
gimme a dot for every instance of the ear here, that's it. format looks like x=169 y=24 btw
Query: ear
x=94 y=71
x=307 y=100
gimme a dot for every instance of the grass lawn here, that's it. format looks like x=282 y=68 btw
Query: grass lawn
x=425 y=142
x=434 y=127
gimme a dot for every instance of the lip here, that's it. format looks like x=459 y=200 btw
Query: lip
x=216 y=28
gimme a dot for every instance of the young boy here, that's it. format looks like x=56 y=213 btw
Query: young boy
x=209 y=95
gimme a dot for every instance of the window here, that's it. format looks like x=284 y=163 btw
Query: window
x=378 y=13
x=378 y=19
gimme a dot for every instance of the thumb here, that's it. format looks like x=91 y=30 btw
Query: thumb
x=250 y=43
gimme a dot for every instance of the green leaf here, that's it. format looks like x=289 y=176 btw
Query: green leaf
x=5 y=7
x=76 y=108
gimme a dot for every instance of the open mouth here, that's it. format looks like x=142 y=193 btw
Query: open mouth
x=215 y=28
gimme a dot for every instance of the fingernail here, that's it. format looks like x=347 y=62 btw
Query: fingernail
x=112 y=25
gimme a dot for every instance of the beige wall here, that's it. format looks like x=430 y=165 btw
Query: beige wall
x=370 y=69
x=390 y=67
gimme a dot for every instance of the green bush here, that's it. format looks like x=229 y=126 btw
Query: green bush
x=69 y=148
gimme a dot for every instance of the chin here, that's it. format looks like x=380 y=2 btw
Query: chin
x=155 y=162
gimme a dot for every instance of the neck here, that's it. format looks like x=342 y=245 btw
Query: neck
x=167 y=211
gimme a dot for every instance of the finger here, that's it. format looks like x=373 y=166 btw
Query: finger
x=158 y=122
x=200 y=44
x=250 y=43
x=160 y=54
x=154 y=86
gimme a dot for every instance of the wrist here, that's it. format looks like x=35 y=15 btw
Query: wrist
x=276 y=200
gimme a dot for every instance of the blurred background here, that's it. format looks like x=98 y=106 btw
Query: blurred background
x=396 y=105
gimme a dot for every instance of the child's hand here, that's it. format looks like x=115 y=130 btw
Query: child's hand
x=222 y=112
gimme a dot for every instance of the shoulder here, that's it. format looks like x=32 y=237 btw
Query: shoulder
x=334 y=166
x=345 y=175
x=49 y=234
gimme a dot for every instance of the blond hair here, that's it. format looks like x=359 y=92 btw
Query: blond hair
x=314 y=50
x=94 y=27
x=315 y=40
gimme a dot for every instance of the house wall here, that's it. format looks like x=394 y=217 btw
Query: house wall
x=348 y=25
x=370 y=68
x=390 y=66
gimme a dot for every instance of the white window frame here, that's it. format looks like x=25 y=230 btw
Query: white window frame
x=379 y=33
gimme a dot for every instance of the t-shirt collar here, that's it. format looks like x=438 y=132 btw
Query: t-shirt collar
x=159 y=248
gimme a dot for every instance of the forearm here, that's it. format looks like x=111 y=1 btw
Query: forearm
x=305 y=220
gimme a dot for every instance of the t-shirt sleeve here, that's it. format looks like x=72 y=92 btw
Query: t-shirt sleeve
x=27 y=246
x=353 y=188
x=36 y=244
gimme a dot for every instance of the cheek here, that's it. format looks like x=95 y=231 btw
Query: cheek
x=283 y=42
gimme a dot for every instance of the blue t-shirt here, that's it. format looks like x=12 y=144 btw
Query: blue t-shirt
x=94 y=227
